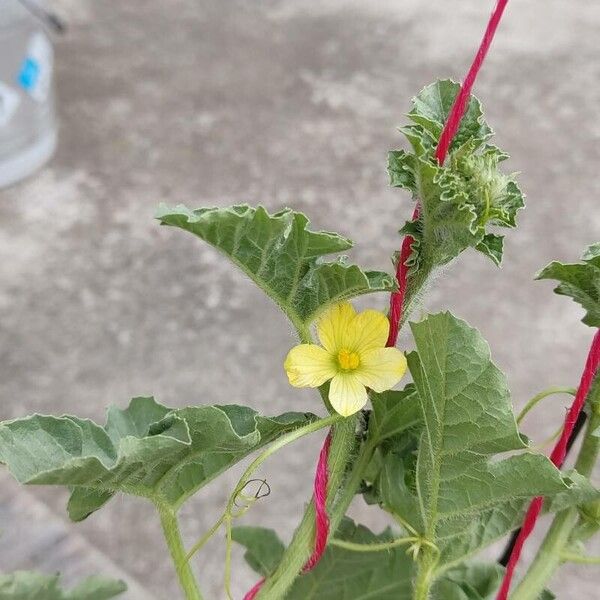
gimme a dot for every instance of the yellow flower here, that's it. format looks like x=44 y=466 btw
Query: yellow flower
x=353 y=355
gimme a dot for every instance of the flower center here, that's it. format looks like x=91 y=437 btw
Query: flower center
x=347 y=360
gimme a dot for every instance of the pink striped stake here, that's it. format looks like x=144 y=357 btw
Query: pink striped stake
x=321 y=517
x=320 y=501
x=254 y=591
x=557 y=457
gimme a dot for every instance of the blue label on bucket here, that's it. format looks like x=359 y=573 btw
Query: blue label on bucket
x=29 y=74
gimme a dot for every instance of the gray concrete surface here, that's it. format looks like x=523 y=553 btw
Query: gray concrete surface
x=35 y=538
x=285 y=103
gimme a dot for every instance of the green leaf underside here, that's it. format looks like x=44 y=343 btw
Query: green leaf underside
x=462 y=198
x=462 y=491
x=281 y=256
x=26 y=585
x=349 y=575
x=580 y=281
x=146 y=450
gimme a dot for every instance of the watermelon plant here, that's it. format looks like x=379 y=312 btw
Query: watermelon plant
x=442 y=456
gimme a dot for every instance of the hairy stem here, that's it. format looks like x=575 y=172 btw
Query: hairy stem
x=550 y=554
x=170 y=526
x=425 y=573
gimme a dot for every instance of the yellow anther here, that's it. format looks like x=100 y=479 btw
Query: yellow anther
x=347 y=360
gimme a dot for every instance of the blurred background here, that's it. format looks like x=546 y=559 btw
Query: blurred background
x=285 y=103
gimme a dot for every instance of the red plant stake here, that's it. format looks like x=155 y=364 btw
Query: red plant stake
x=320 y=500
x=557 y=457
x=254 y=591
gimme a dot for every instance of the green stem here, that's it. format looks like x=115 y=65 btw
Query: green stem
x=380 y=547
x=558 y=538
x=425 y=574
x=170 y=526
x=200 y=543
x=581 y=559
x=297 y=553
x=348 y=491
x=539 y=397
x=228 y=548
x=548 y=558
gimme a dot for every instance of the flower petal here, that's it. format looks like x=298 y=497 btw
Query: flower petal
x=381 y=369
x=347 y=394
x=368 y=330
x=333 y=325
x=308 y=365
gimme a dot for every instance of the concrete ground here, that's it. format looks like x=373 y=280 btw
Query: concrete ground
x=286 y=103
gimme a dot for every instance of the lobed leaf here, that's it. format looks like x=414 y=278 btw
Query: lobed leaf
x=282 y=256
x=580 y=281
x=146 y=450
x=465 y=494
x=461 y=199
x=432 y=106
x=27 y=585
x=479 y=498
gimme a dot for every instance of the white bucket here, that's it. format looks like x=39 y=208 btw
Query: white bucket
x=27 y=119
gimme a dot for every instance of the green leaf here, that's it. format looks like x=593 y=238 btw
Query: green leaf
x=460 y=200
x=492 y=245
x=343 y=574
x=264 y=549
x=390 y=481
x=393 y=412
x=432 y=106
x=394 y=486
x=465 y=536
x=146 y=450
x=467 y=422
x=471 y=581
x=27 y=585
x=349 y=575
x=134 y=421
x=281 y=256
x=580 y=281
